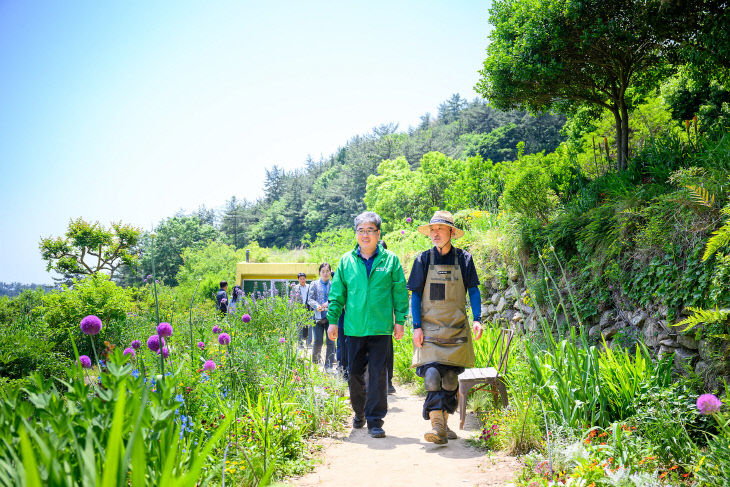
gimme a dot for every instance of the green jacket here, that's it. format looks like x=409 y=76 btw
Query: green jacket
x=371 y=302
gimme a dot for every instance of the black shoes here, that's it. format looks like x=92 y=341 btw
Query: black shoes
x=376 y=432
x=391 y=389
x=358 y=422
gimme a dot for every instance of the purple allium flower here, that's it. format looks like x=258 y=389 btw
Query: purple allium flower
x=216 y=329
x=136 y=344
x=281 y=340
x=708 y=404
x=91 y=325
x=402 y=232
x=224 y=338
x=164 y=329
x=409 y=219
x=209 y=365
x=85 y=361
x=201 y=345
x=153 y=343
x=129 y=351
x=246 y=318
x=165 y=352
x=149 y=276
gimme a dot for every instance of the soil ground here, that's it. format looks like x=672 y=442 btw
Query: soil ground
x=404 y=458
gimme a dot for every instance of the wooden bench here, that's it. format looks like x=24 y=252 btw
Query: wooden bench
x=488 y=376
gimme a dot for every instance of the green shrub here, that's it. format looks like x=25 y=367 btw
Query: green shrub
x=669 y=420
x=96 y=295
x=25 y=348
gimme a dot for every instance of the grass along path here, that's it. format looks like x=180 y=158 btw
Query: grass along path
x=404 y=458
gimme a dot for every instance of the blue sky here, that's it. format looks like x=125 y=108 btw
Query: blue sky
x=132 y=110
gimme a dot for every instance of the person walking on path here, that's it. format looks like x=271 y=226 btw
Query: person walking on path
x=442 y=342
x=221 y=298
x=369 y=280
x=319 y=291
x=305 y=331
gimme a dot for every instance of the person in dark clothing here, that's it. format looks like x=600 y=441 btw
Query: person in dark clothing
x=305 y=330
x=221 y=298
x=440 y=279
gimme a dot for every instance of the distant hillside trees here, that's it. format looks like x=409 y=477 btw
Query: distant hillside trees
x=328 y=193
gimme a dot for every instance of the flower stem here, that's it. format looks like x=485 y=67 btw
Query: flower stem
x=157 y=308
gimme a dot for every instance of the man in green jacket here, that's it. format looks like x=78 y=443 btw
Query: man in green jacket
x=370 y=282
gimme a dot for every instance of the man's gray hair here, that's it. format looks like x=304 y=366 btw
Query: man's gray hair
x=368 y=217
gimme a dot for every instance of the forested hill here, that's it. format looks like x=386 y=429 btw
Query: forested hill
x=328 y=193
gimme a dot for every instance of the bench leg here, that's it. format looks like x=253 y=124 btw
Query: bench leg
x=502 y=392
x=463 y=393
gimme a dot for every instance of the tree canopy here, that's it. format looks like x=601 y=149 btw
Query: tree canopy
x=89 y=248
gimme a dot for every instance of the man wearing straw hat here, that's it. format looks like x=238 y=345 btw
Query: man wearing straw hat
x=442 y=342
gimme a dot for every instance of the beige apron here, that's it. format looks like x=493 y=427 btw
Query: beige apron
x=446 y=334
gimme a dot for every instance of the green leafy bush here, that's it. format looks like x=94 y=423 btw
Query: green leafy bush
x=95 y=295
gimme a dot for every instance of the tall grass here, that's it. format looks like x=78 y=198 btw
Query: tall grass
x=583 y=386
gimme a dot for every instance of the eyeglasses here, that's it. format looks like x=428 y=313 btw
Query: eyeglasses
x=364 y=231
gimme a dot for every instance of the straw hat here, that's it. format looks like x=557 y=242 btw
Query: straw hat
x=441 y=217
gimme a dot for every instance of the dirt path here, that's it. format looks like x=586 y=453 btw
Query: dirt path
x=404 y=458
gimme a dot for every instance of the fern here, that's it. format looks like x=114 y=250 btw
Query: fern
x=720 y=237
x=701 y=196
x=702 y=316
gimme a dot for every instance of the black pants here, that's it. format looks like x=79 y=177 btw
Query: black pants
x=369 y=400
x=442 y=400
x=320 y=336
x=389 y=362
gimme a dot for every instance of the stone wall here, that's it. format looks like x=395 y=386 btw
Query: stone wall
x=619 y=325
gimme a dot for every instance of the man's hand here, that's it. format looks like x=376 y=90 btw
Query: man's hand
x=332 y=332
x=398 y=331
x=477 y=329
x=418 y=337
